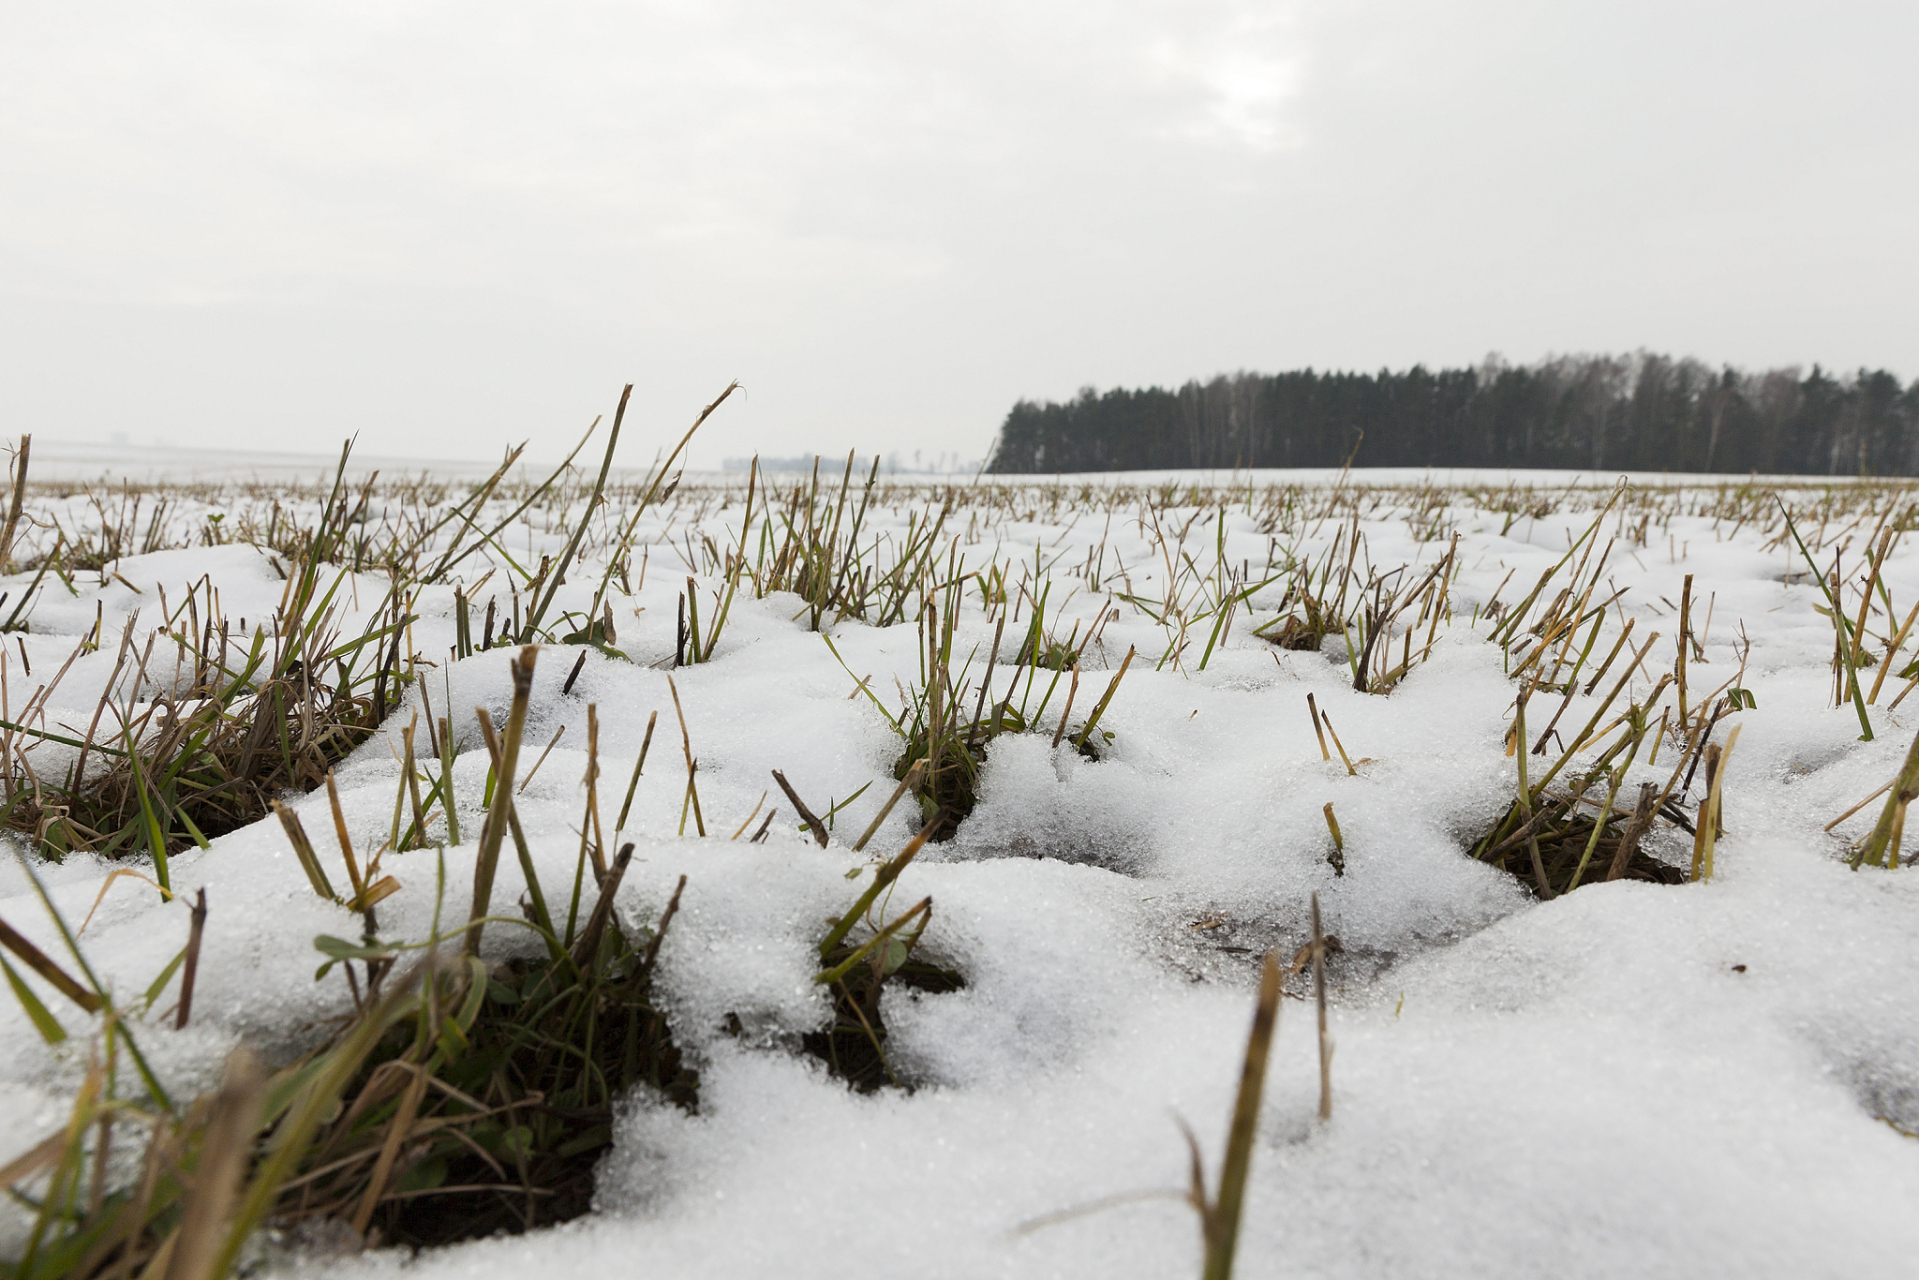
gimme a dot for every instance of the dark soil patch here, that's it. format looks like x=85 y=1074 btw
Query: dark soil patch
x=853 y=1045
x=530 y=1164
x=1563 y=828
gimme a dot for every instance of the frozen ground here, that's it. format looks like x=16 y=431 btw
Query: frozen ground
x=1708 y=1079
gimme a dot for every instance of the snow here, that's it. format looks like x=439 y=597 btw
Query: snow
x=1630 y=1079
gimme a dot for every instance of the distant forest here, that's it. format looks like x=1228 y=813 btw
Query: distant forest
x=1640 y=412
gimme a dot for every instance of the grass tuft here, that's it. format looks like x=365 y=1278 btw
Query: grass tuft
x=857 y=970
x=461 y=1099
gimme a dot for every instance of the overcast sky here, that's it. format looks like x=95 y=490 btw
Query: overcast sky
x=447 y=226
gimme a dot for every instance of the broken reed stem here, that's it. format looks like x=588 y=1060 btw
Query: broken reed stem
x=190 y=969
x=346 y=842
x=906 y=784
x=1704 y=821
x=1071 y=690
x=1526 y=801
x=1707 y=824
x=757 y=806
x=923 y=909
x=410 y=774
x=396 y=1134
x=1312 y=713
x=692 y=598
x=102 y=1159
x=303 y=850
x=1636 y=828
x=538 y=896
x=986 y=682
x=1625 y=634
x=1618 y=778
x=1910 y=686
x=1659 y=737
x=1585 y=734
x=1338 y=856
x=1319 y=998
x=314 y=1104
x=1219 y=1221
x=813 y=824
x=1680 y=641
x=1840 y=625
x=589 y=940
x=1892 y=648
x=1898 y=836
x=42 y=964
x=19 y=501
x=552 y=742
x=638 y=766
x=494 y=829
x=592 y=839
x=1099 y=710
x=1351 y=771
x=543 y=599
x=645 y=971
x=1880 y=848
x=226 y=1151
x=447 y=801
x=888 y=872
x=692 y=765
x=1877 y=791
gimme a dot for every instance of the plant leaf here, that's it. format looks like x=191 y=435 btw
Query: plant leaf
x=44 y=1022
x=341 y=949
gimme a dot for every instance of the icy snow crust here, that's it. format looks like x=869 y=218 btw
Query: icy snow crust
x=1586 y=1087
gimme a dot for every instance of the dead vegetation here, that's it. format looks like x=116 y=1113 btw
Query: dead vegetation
x=860 y=956
x=463 y=1098
x=199 y=728
x=460 y=1098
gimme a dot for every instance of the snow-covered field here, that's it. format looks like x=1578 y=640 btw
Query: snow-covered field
x=1712 y=1078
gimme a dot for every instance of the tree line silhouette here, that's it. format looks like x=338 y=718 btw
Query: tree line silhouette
x=1642 y=412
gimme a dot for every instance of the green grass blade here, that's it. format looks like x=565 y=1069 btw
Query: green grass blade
x=43 y=1021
